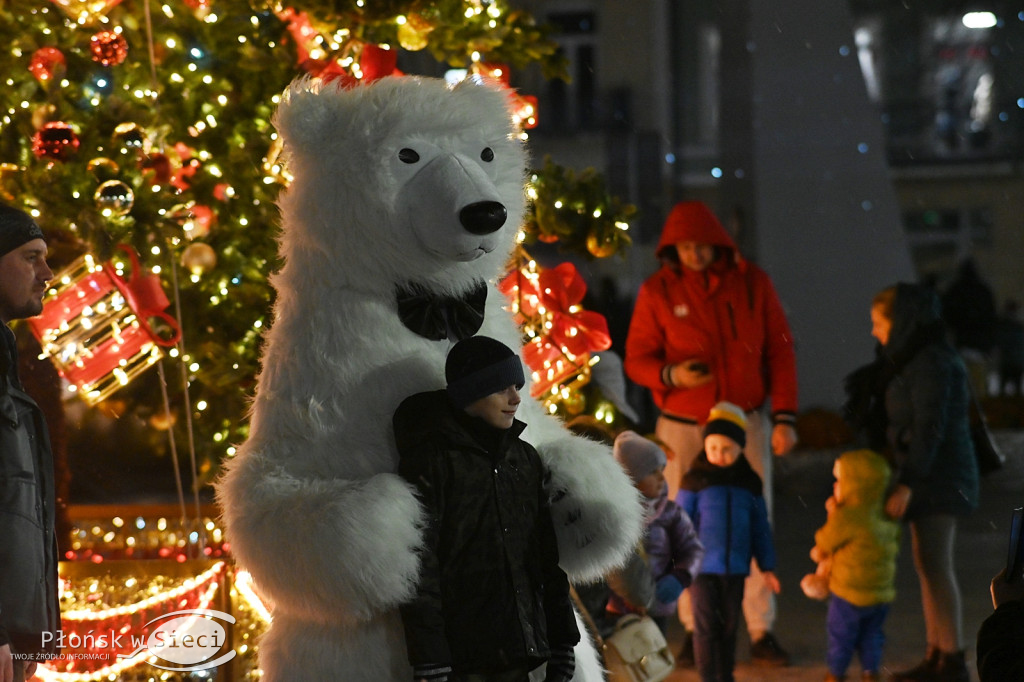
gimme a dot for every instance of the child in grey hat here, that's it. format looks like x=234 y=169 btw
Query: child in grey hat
x=670 y=541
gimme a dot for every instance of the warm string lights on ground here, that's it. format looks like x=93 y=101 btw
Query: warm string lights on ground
x=104 y=617
x=176 y=539
x=110 y=612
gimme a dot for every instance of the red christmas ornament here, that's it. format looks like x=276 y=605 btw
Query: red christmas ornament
x=47 y=63
x=109 y=48
x=160 y=166
x=55 y=140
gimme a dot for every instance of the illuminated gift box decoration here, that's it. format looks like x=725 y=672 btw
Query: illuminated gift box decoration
x=95 y=324
x=562 y=335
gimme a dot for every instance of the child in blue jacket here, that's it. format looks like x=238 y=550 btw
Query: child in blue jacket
x=723 y=496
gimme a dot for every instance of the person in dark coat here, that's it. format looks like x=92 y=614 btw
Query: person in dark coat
x=969 y=309
x=28 y=543
x=911 y=404
x=1010 y=348
x=492 y=603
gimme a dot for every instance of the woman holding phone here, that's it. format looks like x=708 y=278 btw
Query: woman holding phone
x=912 y=405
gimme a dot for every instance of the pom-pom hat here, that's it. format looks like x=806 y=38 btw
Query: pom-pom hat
x=479 y=366
x=639 y=456
x=16 y=228
x=729 y=420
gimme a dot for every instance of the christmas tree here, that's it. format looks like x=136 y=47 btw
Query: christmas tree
x=148 y=124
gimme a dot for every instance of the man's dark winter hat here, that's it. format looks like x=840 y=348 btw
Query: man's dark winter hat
x=479 y=366
x=16 y=228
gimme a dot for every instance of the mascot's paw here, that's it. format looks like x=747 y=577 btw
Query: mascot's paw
x=595 y=508
x=378 y=528
x=330 y=551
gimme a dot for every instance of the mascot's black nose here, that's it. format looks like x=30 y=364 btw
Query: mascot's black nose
x=483 y=217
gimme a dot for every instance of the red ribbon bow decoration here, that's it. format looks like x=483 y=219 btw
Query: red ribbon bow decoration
x=374 y=61
x=549 y=302
x=573 y=330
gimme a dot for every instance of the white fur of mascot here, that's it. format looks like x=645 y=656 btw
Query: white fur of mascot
x=397 y=185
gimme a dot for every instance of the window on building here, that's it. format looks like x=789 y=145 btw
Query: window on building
x=941 y=238
x=572 y=106
x=946 y=80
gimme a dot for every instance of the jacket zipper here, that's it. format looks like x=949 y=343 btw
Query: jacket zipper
x=732 y=320
x=728 y=529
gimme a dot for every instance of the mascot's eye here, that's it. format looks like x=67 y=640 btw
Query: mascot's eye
x=407 y=155
x=487 y=154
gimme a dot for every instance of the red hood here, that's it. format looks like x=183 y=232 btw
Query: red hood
x=693 y=221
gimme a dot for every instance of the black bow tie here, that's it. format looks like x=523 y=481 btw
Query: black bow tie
x=442 y=317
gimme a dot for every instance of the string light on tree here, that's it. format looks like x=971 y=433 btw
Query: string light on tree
x=154 y=103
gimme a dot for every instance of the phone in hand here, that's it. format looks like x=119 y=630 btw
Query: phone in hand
x=1015 y=551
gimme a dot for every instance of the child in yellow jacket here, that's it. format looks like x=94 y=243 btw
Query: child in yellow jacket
x=857 y=549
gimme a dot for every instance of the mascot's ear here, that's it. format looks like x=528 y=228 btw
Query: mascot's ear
x=309 y=109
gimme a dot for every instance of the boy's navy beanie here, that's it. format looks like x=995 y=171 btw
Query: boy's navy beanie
x=16 y=228
x=479 y=366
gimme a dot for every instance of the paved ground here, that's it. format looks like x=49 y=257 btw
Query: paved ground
x=803 y=482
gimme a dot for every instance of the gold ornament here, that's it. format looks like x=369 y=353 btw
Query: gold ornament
x=414 y=34
x=574 y=403
x=114 y=197
x=199 y=257
x=129 y=136
x=273 y=164
x=601 y=247
x=103 y=168
x=7 y=170
x=161 y=421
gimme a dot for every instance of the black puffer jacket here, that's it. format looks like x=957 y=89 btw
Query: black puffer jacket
x=913 y=402
x=491 y=596
x=28 y=545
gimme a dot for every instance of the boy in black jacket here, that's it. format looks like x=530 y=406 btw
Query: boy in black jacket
x=492 y=603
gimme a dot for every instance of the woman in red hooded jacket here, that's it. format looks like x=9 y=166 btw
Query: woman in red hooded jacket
x=707 y=327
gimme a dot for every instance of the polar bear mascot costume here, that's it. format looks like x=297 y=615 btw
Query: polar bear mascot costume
x=402 y=214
